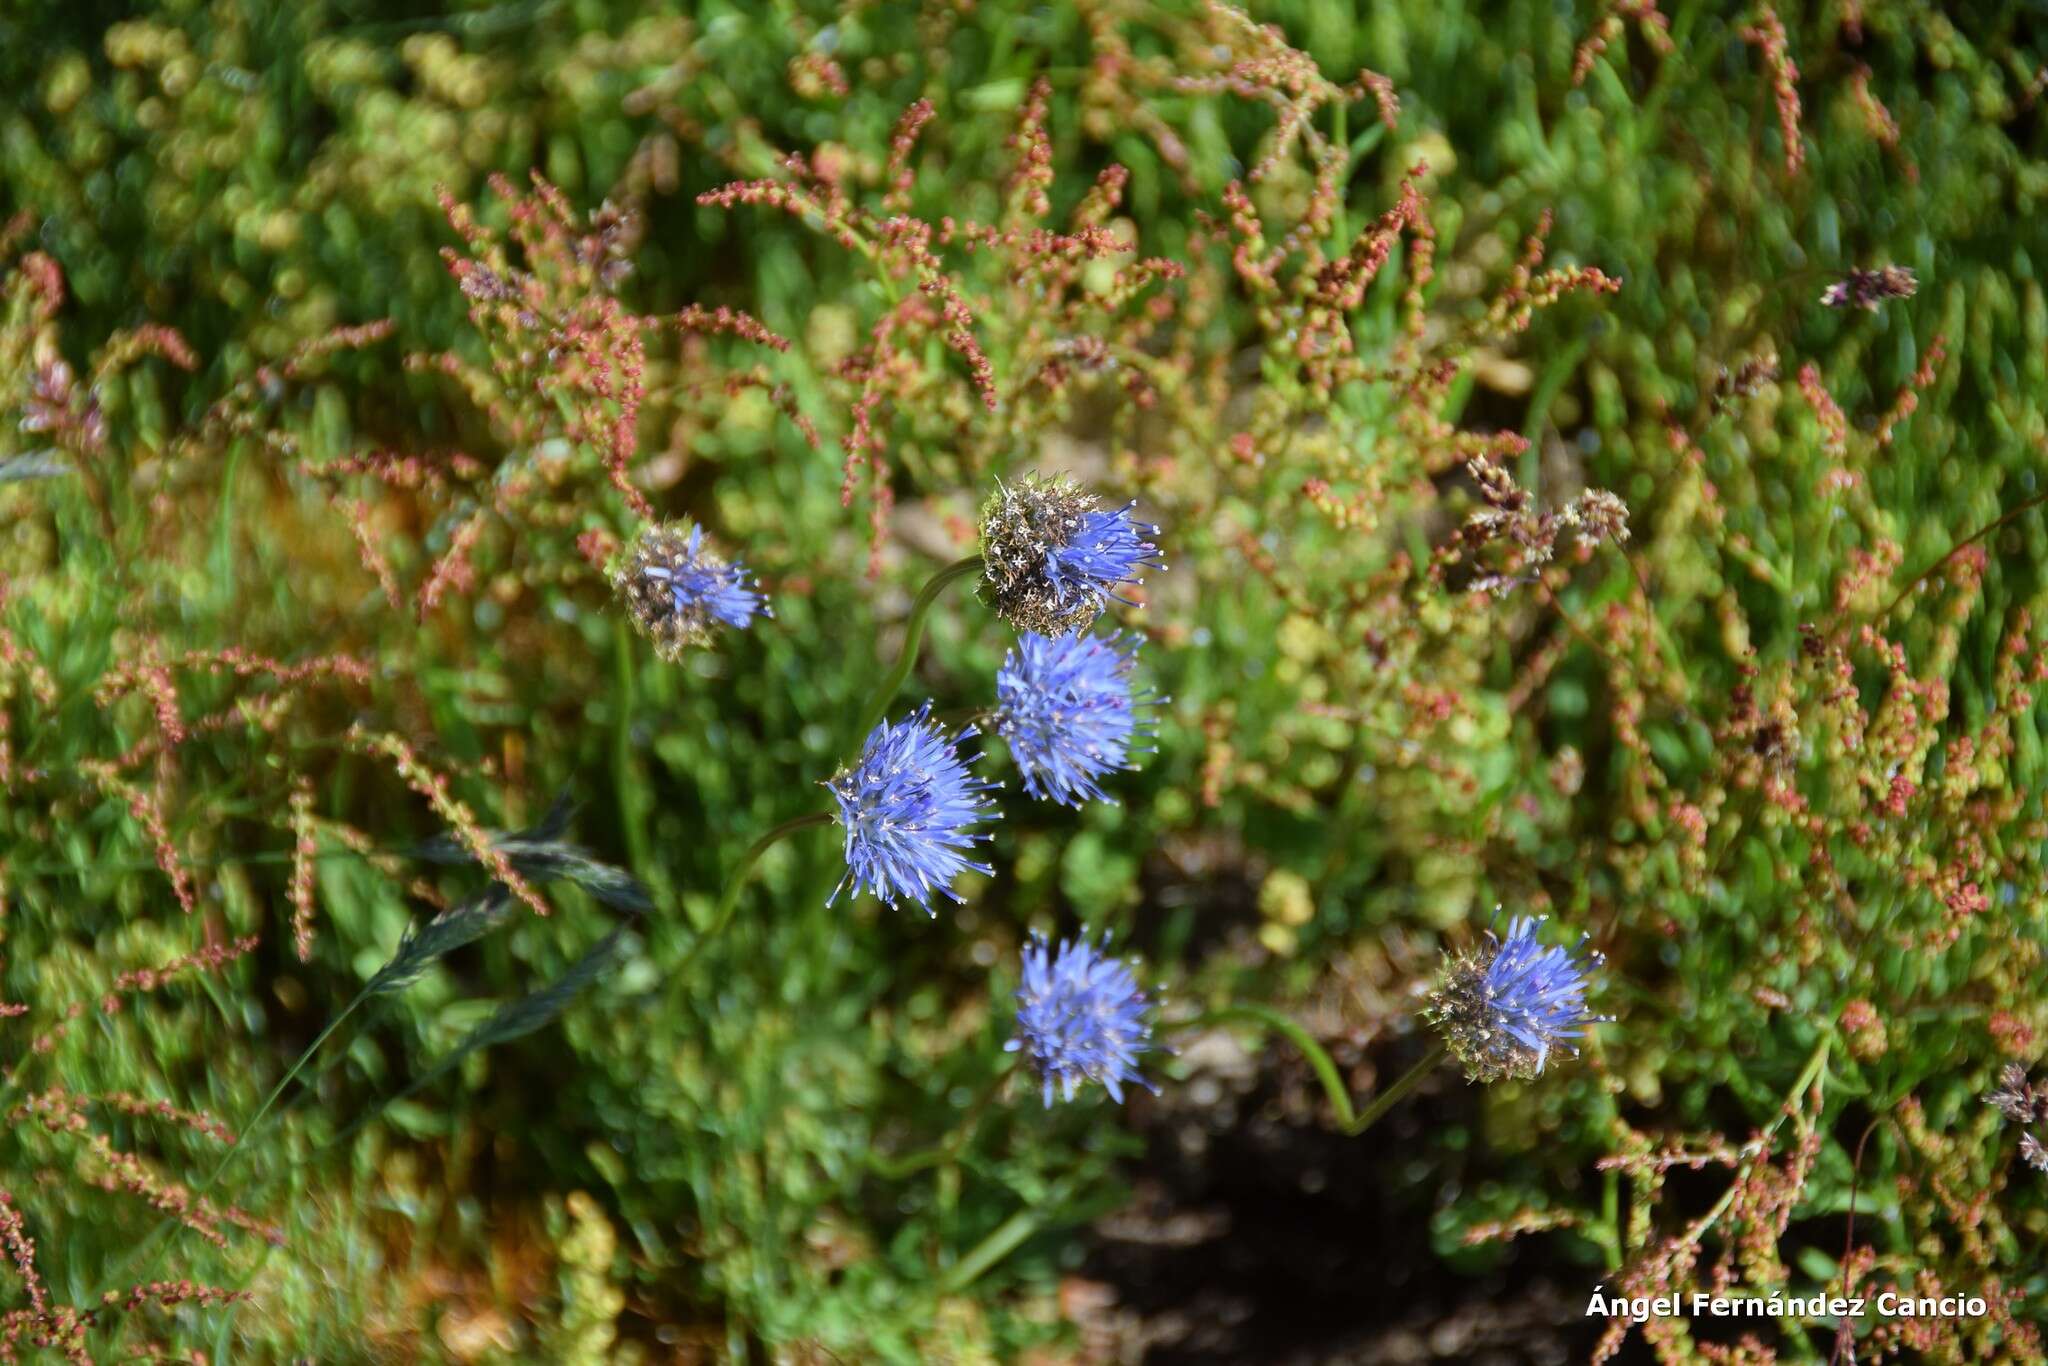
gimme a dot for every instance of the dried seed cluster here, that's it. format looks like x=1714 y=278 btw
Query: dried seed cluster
x=1052 y=560
x=678 y=590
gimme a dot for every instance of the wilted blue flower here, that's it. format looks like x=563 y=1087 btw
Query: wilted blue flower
x=1502 y=1008
x=1080 y=1017
x=1052 y=560
x=677 y=588
x=907 y=803
x=1066 y=710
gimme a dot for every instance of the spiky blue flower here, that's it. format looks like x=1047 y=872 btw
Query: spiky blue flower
x=907 y=804
x=1052 y=560
x=677 y=588
x=1080 y=1017
x=1066 y=709
x=1106 y=553
x=700 y=582
x=1503 y=1008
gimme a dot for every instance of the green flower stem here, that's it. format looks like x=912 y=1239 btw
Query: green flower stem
x=947 y=1150
x=737 y=881
x=632 y=790
x=277 y=1091
x=1810 y=1075
x=1979 y=534
x=1350 y=1121
x=1387 y=1097
x=913 y=635
x=1000 y=1243
x=1607 y=1232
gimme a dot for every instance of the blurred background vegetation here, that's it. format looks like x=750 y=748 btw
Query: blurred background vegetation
x=1777 y=753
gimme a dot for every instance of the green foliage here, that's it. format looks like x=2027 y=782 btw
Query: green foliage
x=315 y=444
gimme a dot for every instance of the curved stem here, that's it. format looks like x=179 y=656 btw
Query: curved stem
x=1979 y=534
x=948 y=1149
x=277 y=1091
x=1351 y=1122
x=1318 y=1057
x=1001 y=1242
x=737 y=880
x=1388 y=1095
x=1816 y=1062
x=913 y=635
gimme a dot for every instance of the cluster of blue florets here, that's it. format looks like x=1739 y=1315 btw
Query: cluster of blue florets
x=1504 y=1009
x=910 y=805
x=1080 y=1017
x=1067 y=710
x=1053 y=561
x=678 y=590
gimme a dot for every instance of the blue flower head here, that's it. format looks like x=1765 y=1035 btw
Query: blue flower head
x=1504 y=1007
x=1065 y=708
x=1080 y=1017
x=677 y=589
x=1052 y=560
x=907 y=803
